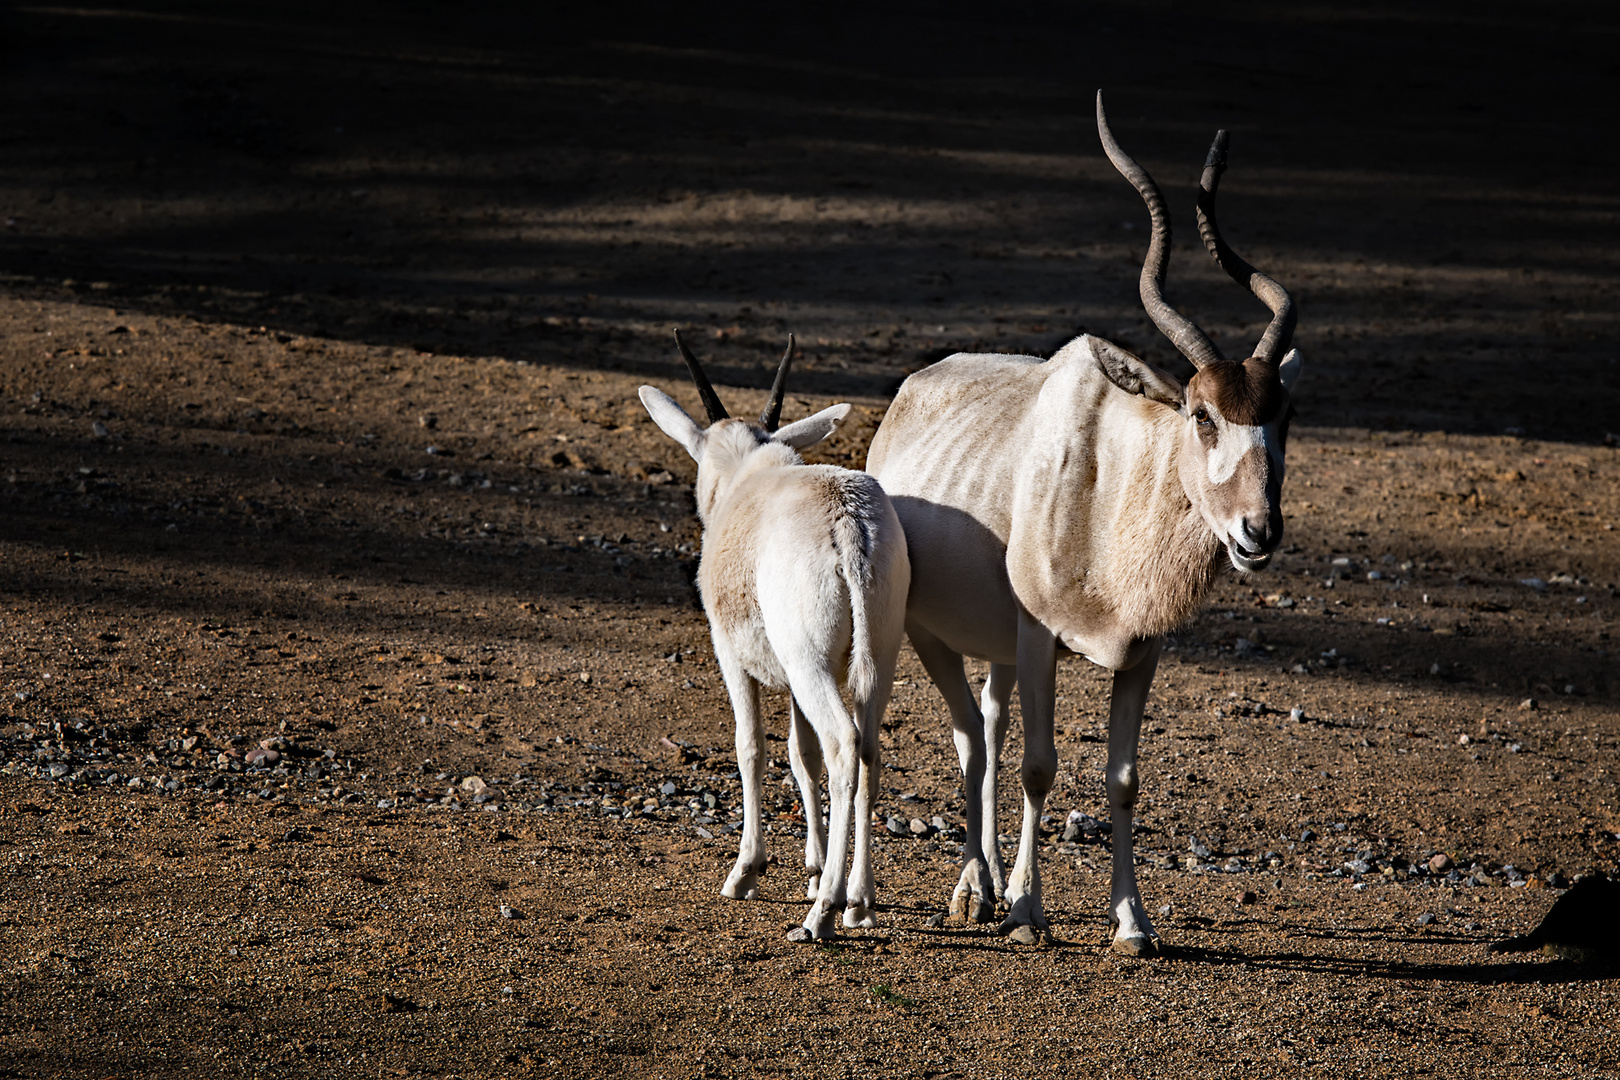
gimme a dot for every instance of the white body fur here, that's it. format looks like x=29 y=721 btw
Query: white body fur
x=804 y=575
x=1052 y=505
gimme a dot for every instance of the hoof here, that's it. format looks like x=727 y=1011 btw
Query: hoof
x=974 y=898
x=1025 y=912
x=800 y=936
x=821 y=923
x=859 y=918
x=740 y=890
x=1138 y=946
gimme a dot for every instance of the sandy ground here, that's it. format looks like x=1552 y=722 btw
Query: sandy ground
x=357 y=717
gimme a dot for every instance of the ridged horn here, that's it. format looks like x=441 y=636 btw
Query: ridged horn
x=1280 y=334
x=711 y=400
x=1183 y=333
x=771 y=418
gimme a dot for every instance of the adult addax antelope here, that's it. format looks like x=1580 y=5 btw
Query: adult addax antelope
x=804 y=577
x=1081 y=504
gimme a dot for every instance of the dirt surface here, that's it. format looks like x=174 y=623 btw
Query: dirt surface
x=356 y=714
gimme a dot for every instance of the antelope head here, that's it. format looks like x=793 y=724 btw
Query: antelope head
x=1235 y=412
x=723 y=448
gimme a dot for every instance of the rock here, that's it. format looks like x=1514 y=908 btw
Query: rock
x=474 y=785
x=939 y=824
x=1297 y=714
x=918 y=827
x=1527 y=704
x=1246 y=897
x=936 y=920
x=800 y=936
x=667 y=788
x=1306 y=836
x=897 y=826
x=705 y=833
x=1463 y=740
x=1426 y=918
x=1080 y=824
x=1198 y=848
x=510 y=912
x=1023 y=935
x=1440 y=863
x=261 y=758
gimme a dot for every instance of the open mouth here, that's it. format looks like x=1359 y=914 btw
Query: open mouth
x=1247 y=558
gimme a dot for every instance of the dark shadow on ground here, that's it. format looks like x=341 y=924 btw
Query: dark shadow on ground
x=560 y=184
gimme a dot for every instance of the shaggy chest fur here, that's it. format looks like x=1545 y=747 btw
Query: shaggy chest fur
x=1077 y=482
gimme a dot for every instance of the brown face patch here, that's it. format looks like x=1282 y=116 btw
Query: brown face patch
x=1243 y=393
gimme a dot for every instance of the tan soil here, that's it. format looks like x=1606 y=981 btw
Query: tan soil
x=256 y=263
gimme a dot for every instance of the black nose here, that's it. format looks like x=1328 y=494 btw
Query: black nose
x=1264 y=535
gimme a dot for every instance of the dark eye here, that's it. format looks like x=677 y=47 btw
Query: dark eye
x=1201 y=415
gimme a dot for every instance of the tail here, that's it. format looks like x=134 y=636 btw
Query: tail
x=852 y=535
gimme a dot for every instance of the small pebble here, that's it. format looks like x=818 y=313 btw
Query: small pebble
x=918 y=827
x=1440 y=863
x=1307 y=835
x=510 y=912
x=1527 y=704
x=936 y=920
x=1297 y=715
x=898 y=827
x=800 y=936
x=1426 y=918
x=1247 y=897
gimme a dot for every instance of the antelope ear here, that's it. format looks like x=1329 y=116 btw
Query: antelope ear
x=1288 y=371
x=812 y=429
x=1134 y=375
x=670 y=417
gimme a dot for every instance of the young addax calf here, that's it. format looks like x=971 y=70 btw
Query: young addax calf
x=804 y=576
